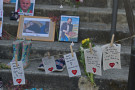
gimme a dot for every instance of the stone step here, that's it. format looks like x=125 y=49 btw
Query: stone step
x=86 y=3
x=98 y=32
x=55 y=48
x=115 y=79
x=86 y=14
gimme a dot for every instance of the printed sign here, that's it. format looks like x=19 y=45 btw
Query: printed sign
x=49 y=64
x=93 y=60
x=111 y=56
x=72 y=65
x=1 y=22
x=17 y=73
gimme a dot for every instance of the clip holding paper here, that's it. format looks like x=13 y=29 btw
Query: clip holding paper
x=16 y=61
x=71 y=50
x=112 y=40
x=90 y=48
x=49 y=55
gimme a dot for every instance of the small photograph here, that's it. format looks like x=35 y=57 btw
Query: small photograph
x=25 y=7
x=69 y=28
x=1 y=22
x=36 y=27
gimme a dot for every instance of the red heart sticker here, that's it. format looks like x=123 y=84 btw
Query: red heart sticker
x=94 y=70
x=74 y=72
x=112 y=64
x=19 y=80
x=50 y=69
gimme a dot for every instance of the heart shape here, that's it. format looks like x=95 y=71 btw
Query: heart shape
x=74 y=72
x=94 y=70
x=112 y=64
x=19 y=80
x=50 y=69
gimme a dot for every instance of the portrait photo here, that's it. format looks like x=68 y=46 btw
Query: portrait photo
x=69 y=27
x=36 y=28
x=1 y=22
x=25 y=7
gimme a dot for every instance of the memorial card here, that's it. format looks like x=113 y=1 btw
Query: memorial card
x=72 y=65
x=93 y=60
x=49 y=64
x=111 y=56
x=17 y=73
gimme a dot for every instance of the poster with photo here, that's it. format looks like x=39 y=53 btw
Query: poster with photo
x=1 y=4
x=25 y=7
x=69 y=27
x=36 y=27
x=1 y=22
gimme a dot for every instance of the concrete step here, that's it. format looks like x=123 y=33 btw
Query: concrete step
x=87 y=14
x=98 y=32
x=110 y=80
x=55 y=48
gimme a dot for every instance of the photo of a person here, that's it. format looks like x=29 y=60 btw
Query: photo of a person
x=66 y=28
x=36 y=28
x=25 y=7
x=69 y=28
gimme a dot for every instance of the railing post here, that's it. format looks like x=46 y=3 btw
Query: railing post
x=131 y=24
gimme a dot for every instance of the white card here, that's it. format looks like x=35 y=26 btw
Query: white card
x=111 y=56
x=1 y=4
x=17 y=73
x=49 y=64
x=1 y=22
x=93 y=61
x=72 y=65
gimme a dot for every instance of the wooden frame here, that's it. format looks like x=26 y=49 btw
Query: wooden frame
x=27 y=31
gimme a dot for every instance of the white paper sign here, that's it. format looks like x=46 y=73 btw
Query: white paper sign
x=72 y=65
x=17 y=73
x=1 y=22
x=111 y=56
x=1 y=4
x=93 y=60
x=49 y=64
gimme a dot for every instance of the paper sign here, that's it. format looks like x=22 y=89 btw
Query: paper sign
x=1 y=4
x=72 y=65
x=93 y=60
x=49 y=64
x=17 y=73
x=111 y=56
x=1 y=22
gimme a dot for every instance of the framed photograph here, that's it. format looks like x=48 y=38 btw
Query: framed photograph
x=36 y=28
x=25 y=7
x=1 y=22
x=69 y=26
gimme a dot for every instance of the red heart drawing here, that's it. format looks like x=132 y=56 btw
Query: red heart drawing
x=50 y=69
x=19 y=80
x=94 y=70
x=112 y=64
x=74 y=72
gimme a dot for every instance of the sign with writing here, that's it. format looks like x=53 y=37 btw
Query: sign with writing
x=72 y=65
x=111 y=56
x=17 y=73
x=93 y=60
x=49 y=64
